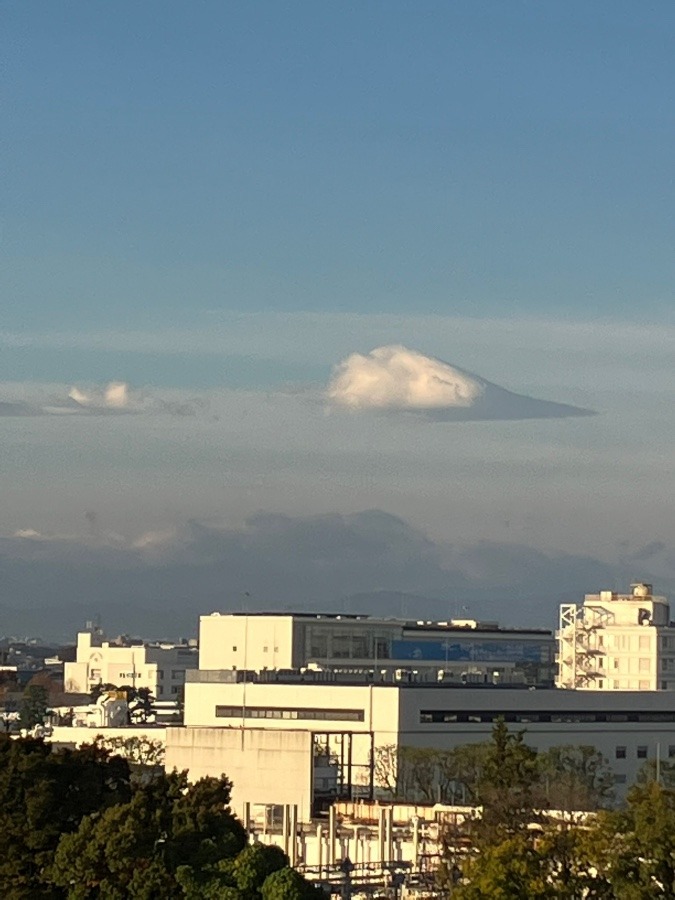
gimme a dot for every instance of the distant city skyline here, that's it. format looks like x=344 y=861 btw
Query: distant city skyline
x=210 y=210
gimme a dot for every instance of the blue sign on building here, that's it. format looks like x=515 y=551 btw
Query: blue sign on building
x=462 y=650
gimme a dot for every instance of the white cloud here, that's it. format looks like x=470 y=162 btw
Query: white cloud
x=155 y=540
x=395 y=377
x=113 y=396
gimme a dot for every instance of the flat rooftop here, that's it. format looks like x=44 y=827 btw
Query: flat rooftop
x=463 y=626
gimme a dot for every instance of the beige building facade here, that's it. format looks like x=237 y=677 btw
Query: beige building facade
x=617 y=642
x=159 y=667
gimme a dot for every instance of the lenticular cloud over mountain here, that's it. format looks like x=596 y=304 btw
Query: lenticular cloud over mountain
x=397 y=379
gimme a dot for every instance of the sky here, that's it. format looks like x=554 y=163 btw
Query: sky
x=308 y=305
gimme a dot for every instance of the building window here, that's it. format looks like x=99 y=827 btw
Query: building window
x=174 y=689
x=643 y=685
x=642 y=752
x=160 y=673
x=266 y=649
x=341 y=646
x=645 y=664
x=620 y=779
x=177 y=673
x=645 y=642
x=671 y=751
x=234 y=649
x=271 y=712
x=360 y=647
x=440 y=716
x=620 y=753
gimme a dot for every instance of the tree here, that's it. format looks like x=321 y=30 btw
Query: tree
x=504 y=786
x=254 y=864
x=460 y=773
x=574 y=778
x=633 y=849
x=44 y=794
x=548 y=863
x=428 y=775
x=100 y=688
x=33 y=709
x=663 y=772
x=179 y=833
x=288 y=884
x=509 y=870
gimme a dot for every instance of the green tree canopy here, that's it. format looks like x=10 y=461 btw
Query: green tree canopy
x=505 y=786
x=287 y=884
x=33 y=708
x=43 y=795
x=254 y=864
x=633 y=849
x=181 y=833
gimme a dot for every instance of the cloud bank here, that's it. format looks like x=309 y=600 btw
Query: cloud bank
x=113 y=398
x=368 y=561
x=397 y=379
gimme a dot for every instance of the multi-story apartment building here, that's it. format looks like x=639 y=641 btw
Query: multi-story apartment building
x=160 y=667
x=617 y=642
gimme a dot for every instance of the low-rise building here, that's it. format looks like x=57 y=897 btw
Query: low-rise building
x=349 y=720
x=461 y=650
x=160 y=667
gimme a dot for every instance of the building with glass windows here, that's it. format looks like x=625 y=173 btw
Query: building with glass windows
x=273 y=731
x=462 y=651
x=617 y=642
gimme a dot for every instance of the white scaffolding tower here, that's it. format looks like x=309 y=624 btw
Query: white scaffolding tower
x=580 y=645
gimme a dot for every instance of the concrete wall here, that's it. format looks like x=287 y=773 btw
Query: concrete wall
x=246 y=642
x=378 y=705
x=394 y=715
x=268 y=767
x=61 y=734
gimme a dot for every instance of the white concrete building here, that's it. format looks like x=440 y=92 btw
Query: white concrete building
x=159 y=667
x=346 y=723
x=334 y=691
x=617 y=642
x=463 y=650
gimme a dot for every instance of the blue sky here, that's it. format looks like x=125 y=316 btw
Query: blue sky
x=218 y=202
x=470 y=158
